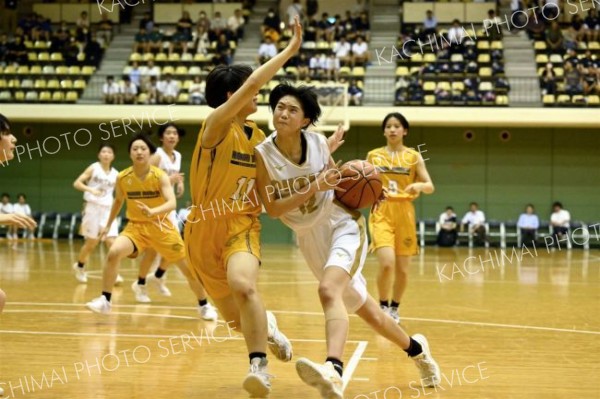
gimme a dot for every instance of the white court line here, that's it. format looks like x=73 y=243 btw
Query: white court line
x=360 y=379
x=370 y=359
x=473 y=323
x=353 y=362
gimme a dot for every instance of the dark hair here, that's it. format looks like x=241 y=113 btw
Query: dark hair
x=145 y=139
x=224 y=79
x=4 y=126
x=111 y=77
x=449 y=208
x=529 y=205
x=163 y=129
x=5 y=195
x=557 y=204
x=107 y=145
x=398 y=116
x=21 y=195
x=306 y=95
x=474 y=203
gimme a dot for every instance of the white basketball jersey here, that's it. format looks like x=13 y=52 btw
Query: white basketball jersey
x=104 y=182
x=167 y=164
x=284 y=172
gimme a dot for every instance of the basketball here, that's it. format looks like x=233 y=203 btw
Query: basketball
x=364 y=186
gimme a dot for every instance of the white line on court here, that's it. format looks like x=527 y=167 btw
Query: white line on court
x=360 y=379
x=353 y=362
x=370 y=359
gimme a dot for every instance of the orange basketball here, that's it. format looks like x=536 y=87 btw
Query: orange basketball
x=364 y=186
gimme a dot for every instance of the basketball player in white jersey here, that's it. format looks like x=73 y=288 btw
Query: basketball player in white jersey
x=98 y=184
x=332 y=238
x=169 y=160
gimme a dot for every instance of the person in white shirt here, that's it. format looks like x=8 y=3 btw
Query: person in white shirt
x=135 y=74
x=294 y=9
x=332 y=67
x=235 y=23
x=266 y=51
x=149 y=71
x=342 y=51
x=111 y=91
x=475 y=219
x=6 y=208
x=197 y=91
x=22 y=208
x=168 y=90
x=447 y=235
x=560 y=221
x=317 y=65
x=360 y=51
x=455 y=33
x=528 y=224
x=129 y=91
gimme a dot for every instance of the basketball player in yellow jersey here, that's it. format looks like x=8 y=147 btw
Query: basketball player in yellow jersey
x=149 y=196
x=393 y=224
x=222 y=231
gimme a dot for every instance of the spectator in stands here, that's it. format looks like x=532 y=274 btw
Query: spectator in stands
x=129 y=91
x=349 y=26
x=554 y=39
x=224 y=50
x=339 y=30
x=4 y=48
x=342 y=51
x=576 y=28
x=83 y=22
x=294 y=10
x=266 y=51
x=271 y=21
x=21 y=207
x=570 y=39
x=152 y=90
x=310 y=29
x=71 y=52
x=184 y=28
x=355 y=93
x=111 y=91
x=332 y=67
x=536 y=25
x=17 y=52
x=202 y=43
x=475 y=219
x=155 y=40
x=135 y=75
x=141 y=41
x=146 y=22
x=235 y=24
x=447 y=235
x=105 y=28
x=42 y=29
x=495 y=32
x=6 y=208
x=528 y=225
x=168 y=90
x=591 y=78
x=363 y=26
x=178 y=43
x=217 y=26
x=93 y=51
x=573 y=79
x=429 y=25
x=203 y=22
x=360 y=51
x=197 y=91
x=302 y=63
x=149 y=71
x=455 y=34
x=312 y=7
x=325 y=29
x=317 y=65
x=591 y=24
x=560 y=221
x=548 y=79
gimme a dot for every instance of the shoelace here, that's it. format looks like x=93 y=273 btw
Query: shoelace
x=256 y=369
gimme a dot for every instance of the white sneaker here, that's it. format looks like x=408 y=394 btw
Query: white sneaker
x=141 y=294
x=393 y=312
x=258 y=381
x=321 y=376
x=80 y=274
x=159 y=283
x=428 y=367
x=119 y=280
x=278 y=343
x=99 y=305
x=208 y=312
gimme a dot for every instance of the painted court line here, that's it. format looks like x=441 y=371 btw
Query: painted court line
x=353 y=362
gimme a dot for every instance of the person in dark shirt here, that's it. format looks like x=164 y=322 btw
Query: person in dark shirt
x=17 y=52
x=591 y=24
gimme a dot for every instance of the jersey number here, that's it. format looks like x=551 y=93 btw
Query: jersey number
x=309 y=205
x=244 y=186
x=393 y=187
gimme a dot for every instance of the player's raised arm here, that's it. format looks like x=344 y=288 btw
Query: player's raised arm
x=218 y=122
x=80 y=182
x=423 y=182
x=114 y=210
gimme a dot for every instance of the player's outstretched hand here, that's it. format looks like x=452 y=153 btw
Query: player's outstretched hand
x=146 y=210
x=296 y=41
x=329 y=178
x=379 y=200
x=336 y=140
x=15 y=219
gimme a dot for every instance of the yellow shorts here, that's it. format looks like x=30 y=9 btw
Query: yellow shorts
x=210 y=243
x=394 y=225
x=167 y=242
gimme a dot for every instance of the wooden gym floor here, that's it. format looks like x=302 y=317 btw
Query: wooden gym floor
x=529 y=329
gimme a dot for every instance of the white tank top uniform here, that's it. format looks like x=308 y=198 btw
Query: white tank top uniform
x=97 y=207
x=170 y=167
x=328 y=233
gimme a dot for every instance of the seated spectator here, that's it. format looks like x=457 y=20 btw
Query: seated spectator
x=573 y=79
x=111 y=91
x=178 y=43
x=317 y=65
x=495 y=32
x=310 y=30
x=591 y=79
x=475 y=219
x=554 y=39
x=203 y=22
x=266 y=51
x=548 y=79
x=202 y=43
x=429 y=25
x=536 y=26
x=129 y=91
x=528 y=224
x=455 y=34
x=155 y=40
x=560 y=221
x=339 y=30
x=93 y=51
x=235 y=24
x=185 y=26
x=272 y=22
x=135 y=75
x=105 y=28
x=294 y=10
x=363 y=26
x=23 y=208
x=4 y=46
x=7 y=208
x=570 y=39
x=325 y=28
x=360 y=51
x=591 y=24
x=71 y=52
x=17 y=52
x=349 y=26
x=168 y=90
x=42 y=29
x=218 y=26
x=300 y=61
x=355 y=93
x=83 y=21
x=332 y=67
x=342 y=51
x=197 y=91
x=148 y=71
x=151 y=89
x=146 y=22
x=578 y=32
x=224 y=50
x=447 y=235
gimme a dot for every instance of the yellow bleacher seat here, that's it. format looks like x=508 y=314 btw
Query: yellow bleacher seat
x=429 y=57
x=200 y=58
x=443 y=86
x=486 y=86
x=28 y=44
x=161 y=57
x=294 y=71
x=3 y=84
x=56 y=57
x=40 y=84
x=343 y=70
x=45 y=96
x=71 y=96
x=456 y=58
x=430 y=99
x=556 y=59
x=44 y=56
x=14 y=83
x=148 y=57
x=74 y=70
x=541 y=58
x=81 y=57
x=560 y=72
x=485 y=72
x=594 y=45
x=5 y=96
x=358 y=71
x=496 y=45
x=483 y=58
x=186 y=84
x=41 y=44
x=187 y=57
x=88 y=70
x=135 y=57
x=31 y=96
x=401 y=71
x=563 y=98
x=183 y=98
x=48 y=70
x=417 y=58
x=167 y=69
x=35 y=70
x=79 y=84
x=323 y=45
x=32 y=57
x=27 y=83
x=232 y=44
x=194 y=70
x=548 y=99
x=429 y=86
x=483 y=45
x=181 y=70
x=53 y=84
x=19 y=96
x=58 y=97
x=539 y=45
x=174 y=57
x=23 y=70
x=593 y=100
x=9 y=70
x=62 y=70
x=142 y=98
x=460 y=86
x=502 y=100
x=66 y=84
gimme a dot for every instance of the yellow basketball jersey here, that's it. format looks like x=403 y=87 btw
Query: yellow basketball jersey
x=147 y=191
x=397 y=169
x=222 y=179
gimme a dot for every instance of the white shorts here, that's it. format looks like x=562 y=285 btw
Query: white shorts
x=340 y=241
x=94 y=220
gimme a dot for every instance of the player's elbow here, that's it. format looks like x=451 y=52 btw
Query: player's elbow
x=429 y=188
